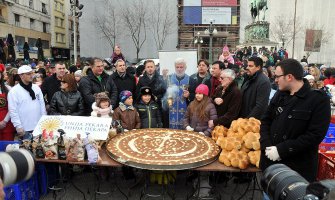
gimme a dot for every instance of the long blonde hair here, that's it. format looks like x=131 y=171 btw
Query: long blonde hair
x=199 y=108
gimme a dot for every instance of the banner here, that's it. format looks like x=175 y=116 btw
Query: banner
x=98 y=127
x=219 y=15
x=313 y=40
x=219 y=2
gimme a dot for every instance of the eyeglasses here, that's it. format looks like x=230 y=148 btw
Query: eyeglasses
x=278 y=76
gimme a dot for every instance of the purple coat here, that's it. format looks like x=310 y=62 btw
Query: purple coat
x=198 y=125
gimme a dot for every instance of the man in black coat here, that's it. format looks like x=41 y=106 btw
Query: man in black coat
x=51 y=84
x=123 y=80
x=152 y=79
x=255 y=90
x=295 y=122
x=96 y=81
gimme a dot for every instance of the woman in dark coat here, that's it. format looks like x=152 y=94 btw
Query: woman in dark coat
x=227 y=99
x=68 y=101
x=117 y=54
x=26 y=49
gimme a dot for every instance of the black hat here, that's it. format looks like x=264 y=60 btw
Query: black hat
x=146 y=90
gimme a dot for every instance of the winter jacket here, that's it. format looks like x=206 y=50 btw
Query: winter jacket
x=67 y=103
x=50 y=86
x=230 y=108
x=156 y=83
x=198 y=125
x=127 y=82
x=150 y=115
x=90 y=85
x=195 y=81
x=129 y=118
x=296 y=124
x=255 y=95
x=101 y=112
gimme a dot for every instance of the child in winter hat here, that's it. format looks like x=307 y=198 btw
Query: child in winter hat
x=148 y=109
x=102 y=106
x=200 y=111
x=126 y=113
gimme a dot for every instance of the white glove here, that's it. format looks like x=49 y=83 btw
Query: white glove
x=202 y=133
x=188 y=128
x=125 y=130
x=272 y=153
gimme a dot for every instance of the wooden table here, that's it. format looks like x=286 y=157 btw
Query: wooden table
x=109 y=162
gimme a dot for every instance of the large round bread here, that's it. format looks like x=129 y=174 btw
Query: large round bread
x=163 y=149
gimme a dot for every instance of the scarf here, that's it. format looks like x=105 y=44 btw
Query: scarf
x=124 y=107
x=29 y=89
x=214 y=82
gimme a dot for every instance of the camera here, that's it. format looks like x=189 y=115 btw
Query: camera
x=282 y=183
x=16 y=166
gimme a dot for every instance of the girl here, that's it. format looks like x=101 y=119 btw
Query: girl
x=102 y=106
x=148 y=109
x=200 y=111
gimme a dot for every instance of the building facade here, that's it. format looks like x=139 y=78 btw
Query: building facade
x=59 y=29
x=26 y=20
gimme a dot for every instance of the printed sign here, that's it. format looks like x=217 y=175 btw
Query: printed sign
x=98 y=127
x=219 y=2
x=218 y=15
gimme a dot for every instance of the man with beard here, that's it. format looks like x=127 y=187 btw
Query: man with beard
x=255 y=90
x=177 y=94
x=26 y=103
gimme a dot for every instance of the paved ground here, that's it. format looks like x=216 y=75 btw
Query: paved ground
x=83 y=185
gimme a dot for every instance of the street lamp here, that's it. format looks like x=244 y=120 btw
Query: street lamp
x=211 y=31
x=198 y=40
x=283 y=39
x=76 y=13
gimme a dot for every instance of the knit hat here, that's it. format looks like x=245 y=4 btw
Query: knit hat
x=202 y=89
x=78 y=73
x=225 y=48
x=102 y=96
x=124 y=95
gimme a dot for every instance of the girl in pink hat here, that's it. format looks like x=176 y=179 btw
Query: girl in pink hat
x=200 y=111
x=226 y=55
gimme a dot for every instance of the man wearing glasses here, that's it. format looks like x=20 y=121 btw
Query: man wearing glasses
x=295 y=122
x=26 y=103
x=255 y=90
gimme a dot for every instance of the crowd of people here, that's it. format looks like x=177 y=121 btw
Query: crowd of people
x=236 y=85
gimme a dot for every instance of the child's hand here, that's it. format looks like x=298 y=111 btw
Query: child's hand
x=188 y=128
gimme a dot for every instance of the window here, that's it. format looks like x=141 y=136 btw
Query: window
x=45 y=44
x=32 y=23
x=45 y=27
x=17 y=19
x=62 y=22
x=31 y=4
x=61 y=7
x=19 y=40
x=44 y=8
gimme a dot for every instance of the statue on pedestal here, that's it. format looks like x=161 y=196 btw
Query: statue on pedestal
x=256 y=7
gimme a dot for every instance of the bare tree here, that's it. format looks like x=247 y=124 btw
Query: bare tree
x=160 y=22
x=283 y=31
x=134 y=17
x=107 y=24
x=326 y=35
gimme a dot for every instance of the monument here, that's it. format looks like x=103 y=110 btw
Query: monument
x=257 y=33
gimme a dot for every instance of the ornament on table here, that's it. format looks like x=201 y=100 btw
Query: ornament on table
x=92 y=149
x=61 y=145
